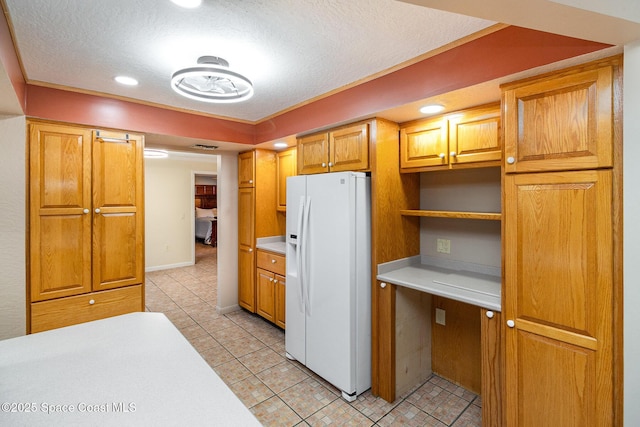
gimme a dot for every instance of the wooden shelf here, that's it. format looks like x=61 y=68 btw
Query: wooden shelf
x=490 y=216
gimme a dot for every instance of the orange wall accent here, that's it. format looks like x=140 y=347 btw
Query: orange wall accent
x=10 y=61
x=92 y=110
x=499 y=54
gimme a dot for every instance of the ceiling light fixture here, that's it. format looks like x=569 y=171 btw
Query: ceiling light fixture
x=151 y=153
x=124 y=80
x=432 y=109
x=189 y=4
x=280 y=144
x=212 y=81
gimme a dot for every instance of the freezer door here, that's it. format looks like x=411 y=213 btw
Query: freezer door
x=294 y=336
x=331 y=317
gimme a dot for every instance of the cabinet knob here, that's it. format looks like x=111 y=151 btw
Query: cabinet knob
x=275 y=282
x=250 y=181
x=250 y=249
x=383 y=285
x=441 y=155
x=452 y=154
x=97 y=210
x=86 y=211
x=324 y=165
x=511 y=160
x=511 y=323
x=330 y=164
x=490 y=314
x=92 y=301
x=273 y=261
x=271 y=279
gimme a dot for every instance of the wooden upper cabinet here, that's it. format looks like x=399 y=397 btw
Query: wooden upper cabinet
x=341 y=149
x=424 y=144
x=560 y=122
x=474 y=136
x=559 y=295
x=349 y=148
x=246 y=169
x=118 y=217
x=286 y=167
x=60 y=211
x=313 y=154
x=460 y=139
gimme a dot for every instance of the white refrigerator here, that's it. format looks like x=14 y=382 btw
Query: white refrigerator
x=328 y=291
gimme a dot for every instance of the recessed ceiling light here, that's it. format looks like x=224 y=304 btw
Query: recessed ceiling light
x=124 y=80
x=151 y=153
x=281 y=144
x=432 y=109
x=190 y=4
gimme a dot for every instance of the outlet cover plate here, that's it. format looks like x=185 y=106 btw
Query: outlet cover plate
x=440 y=316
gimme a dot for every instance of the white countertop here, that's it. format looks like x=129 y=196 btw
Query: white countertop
x=470 y=287
x=136 y=369
x=273 y=244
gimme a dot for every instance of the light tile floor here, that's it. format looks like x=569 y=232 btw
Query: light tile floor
x=248 y=354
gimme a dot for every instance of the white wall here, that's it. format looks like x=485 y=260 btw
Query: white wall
x=227 y=233
x=12 y=227
x=169 y=208
x=631 y=234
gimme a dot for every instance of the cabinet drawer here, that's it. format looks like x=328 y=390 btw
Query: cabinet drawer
x=271 y=262
x=79 y=309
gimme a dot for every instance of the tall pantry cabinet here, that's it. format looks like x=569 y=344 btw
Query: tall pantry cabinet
x=86 y=225
x=257 y=216
x=562 y=285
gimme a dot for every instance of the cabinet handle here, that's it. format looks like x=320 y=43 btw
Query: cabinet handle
x=271 y=279
x=250 y=181
x=97 y=210
x=92 y=301
x=330 y=164
x=324 y=165
x=275 y=282
x=511 y=160
x=86 y=211
x=273 y=261
x=441 y=155
x=250 y=249
x=452 y=154
x=511 y=323
x=383 y=285
x=490 y=314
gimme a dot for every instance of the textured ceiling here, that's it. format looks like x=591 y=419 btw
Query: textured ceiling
x=292 y=50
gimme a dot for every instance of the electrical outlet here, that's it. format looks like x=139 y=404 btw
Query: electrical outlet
x=444 y=246
x=440 y=316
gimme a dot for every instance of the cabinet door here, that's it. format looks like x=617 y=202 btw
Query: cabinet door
x=560 y=123
x=246 y=255
x=118 y=215
x=313 y=154
x=246 y=278
x=558 y=298
x=59 y=211
x=246 y=169
x=492 y=370
x=286 y=167
x=474 y=136
x=281 y=290
x=424 y=144
x=349 y=148
x=265 y=294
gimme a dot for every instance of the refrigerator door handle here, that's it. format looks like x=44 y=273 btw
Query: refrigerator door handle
x=306 y=285
x=299 y=254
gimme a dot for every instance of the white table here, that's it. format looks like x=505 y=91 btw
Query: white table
x=130 y=370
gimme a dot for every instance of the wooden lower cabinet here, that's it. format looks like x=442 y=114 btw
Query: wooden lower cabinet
x=558 y=299
x=69 y=311
x=246 y=279
x=270 y=286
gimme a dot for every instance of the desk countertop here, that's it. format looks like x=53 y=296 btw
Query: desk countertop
x=136 y=369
